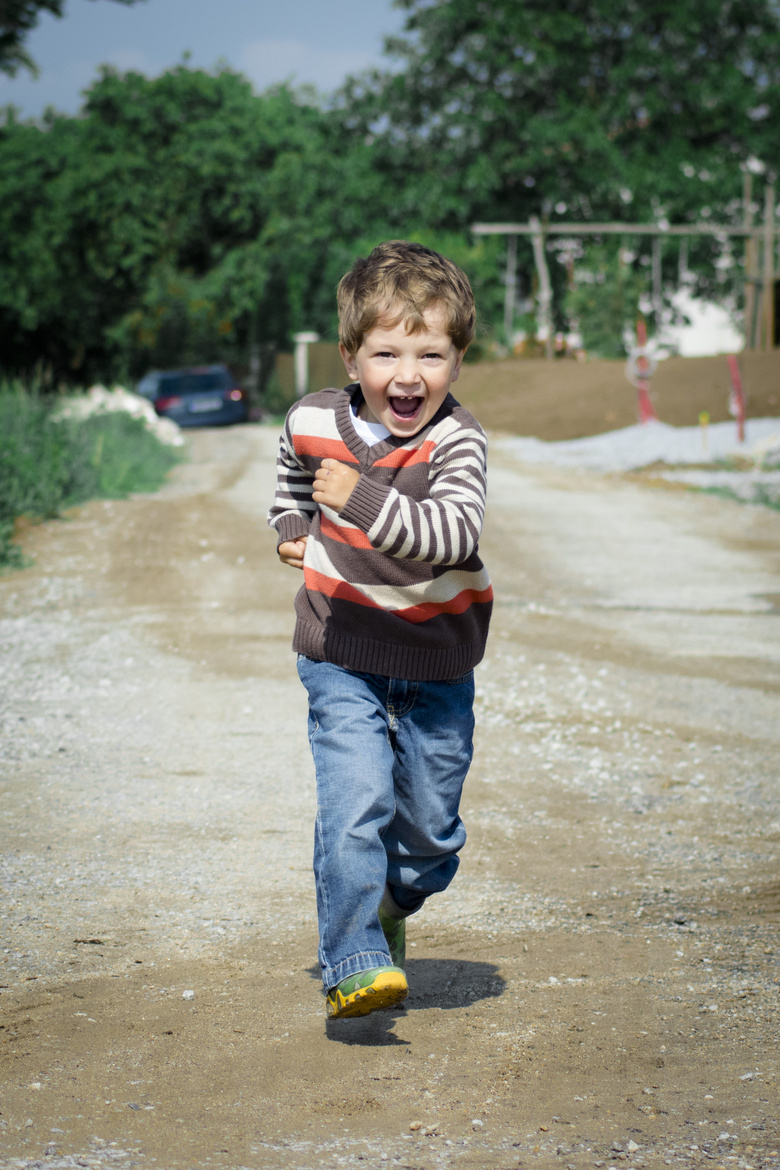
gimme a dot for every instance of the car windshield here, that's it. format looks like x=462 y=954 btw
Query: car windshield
x=148 y=385
x=194 y=382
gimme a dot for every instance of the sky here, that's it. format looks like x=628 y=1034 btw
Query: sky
x=314 y=42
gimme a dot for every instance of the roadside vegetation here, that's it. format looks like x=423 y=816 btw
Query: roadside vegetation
x=50 y=463
x=766 y=496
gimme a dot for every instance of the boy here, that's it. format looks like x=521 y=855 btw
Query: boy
x=380 y=500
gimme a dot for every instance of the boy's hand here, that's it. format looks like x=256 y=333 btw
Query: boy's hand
x=291 y=552
x=334 y=484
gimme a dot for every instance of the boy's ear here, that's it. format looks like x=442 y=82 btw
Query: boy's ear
x=458 y=364
x=349 y=361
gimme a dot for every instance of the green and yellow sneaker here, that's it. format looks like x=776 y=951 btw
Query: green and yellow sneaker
x=368 y=991
x=394 y=930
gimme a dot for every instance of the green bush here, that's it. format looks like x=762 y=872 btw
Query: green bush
x=277 y=400
x=48 y=463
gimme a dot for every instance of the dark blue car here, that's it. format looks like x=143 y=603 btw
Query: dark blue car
x=201 y=396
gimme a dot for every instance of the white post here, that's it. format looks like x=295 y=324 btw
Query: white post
x=682 y=263
x=657 y=284
x=301 y=360
x=545 y=288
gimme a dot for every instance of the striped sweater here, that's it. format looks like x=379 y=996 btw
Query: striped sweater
x=393 y=583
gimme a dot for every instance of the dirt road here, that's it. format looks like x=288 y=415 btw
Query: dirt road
x=600 y=984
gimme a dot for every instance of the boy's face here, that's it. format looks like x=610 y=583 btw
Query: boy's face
x=405 y=377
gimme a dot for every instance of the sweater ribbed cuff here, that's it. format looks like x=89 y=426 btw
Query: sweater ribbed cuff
x=291 y=528
x=365 y=503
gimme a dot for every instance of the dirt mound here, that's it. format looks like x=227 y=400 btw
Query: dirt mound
x=568 y=400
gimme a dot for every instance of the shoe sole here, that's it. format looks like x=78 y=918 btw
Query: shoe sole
x=387 y=990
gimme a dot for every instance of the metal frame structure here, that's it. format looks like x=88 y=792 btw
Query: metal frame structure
x=759 y=290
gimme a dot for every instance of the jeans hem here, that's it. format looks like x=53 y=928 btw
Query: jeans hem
x=363 y=961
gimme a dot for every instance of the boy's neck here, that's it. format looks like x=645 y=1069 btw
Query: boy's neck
x=364 y=413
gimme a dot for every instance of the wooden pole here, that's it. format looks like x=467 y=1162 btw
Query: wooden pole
x=658 y=300
x=759 y=308
x=545 y=288
x=737 y=399
x=769 y=266
x=609 y=229
x=510 y=290
x=750 y=261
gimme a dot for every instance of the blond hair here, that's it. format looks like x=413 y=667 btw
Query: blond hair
x=400 y=281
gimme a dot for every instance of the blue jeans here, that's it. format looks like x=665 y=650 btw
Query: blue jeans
x=391 y=757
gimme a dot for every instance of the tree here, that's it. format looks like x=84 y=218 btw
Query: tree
x=149 y=202
x=17 y=19
x=175 y=219
x=591 y=107
x=585 y=109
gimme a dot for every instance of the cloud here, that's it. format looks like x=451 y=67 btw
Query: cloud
x=268 y=62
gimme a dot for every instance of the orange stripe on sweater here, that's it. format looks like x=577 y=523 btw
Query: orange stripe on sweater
x=354 y=537
x=332 y=587
x=323 y=448
x=457 y=604
x=404 y=457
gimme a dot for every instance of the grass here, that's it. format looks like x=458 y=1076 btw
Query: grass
x=759 y=495
x=48 y=464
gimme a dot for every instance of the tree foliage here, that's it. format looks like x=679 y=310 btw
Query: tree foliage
x=184 y=218
x=587 y=110
x=17 y=19
x=175 y=219
x=520 y=107
x=603 y=299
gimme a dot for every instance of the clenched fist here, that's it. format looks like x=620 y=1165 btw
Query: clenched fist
x=334 y=484
x=291 y=552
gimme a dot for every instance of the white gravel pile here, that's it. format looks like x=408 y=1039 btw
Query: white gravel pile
x=696 y=456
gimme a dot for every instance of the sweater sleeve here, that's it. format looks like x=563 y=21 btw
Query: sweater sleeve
x=293 y=508
x=442 y=530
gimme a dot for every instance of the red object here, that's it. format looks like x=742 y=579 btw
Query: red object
x=737 y=397
x=646 y=410
x=167 y=403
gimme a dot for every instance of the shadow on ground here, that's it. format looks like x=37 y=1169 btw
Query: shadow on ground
x=441 y=983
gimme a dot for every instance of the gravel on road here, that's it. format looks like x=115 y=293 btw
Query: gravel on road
x=599 y=986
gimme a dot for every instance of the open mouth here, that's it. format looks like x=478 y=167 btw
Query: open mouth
x=406 y=407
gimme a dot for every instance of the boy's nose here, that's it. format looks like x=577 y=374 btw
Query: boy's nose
x=408 y=374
